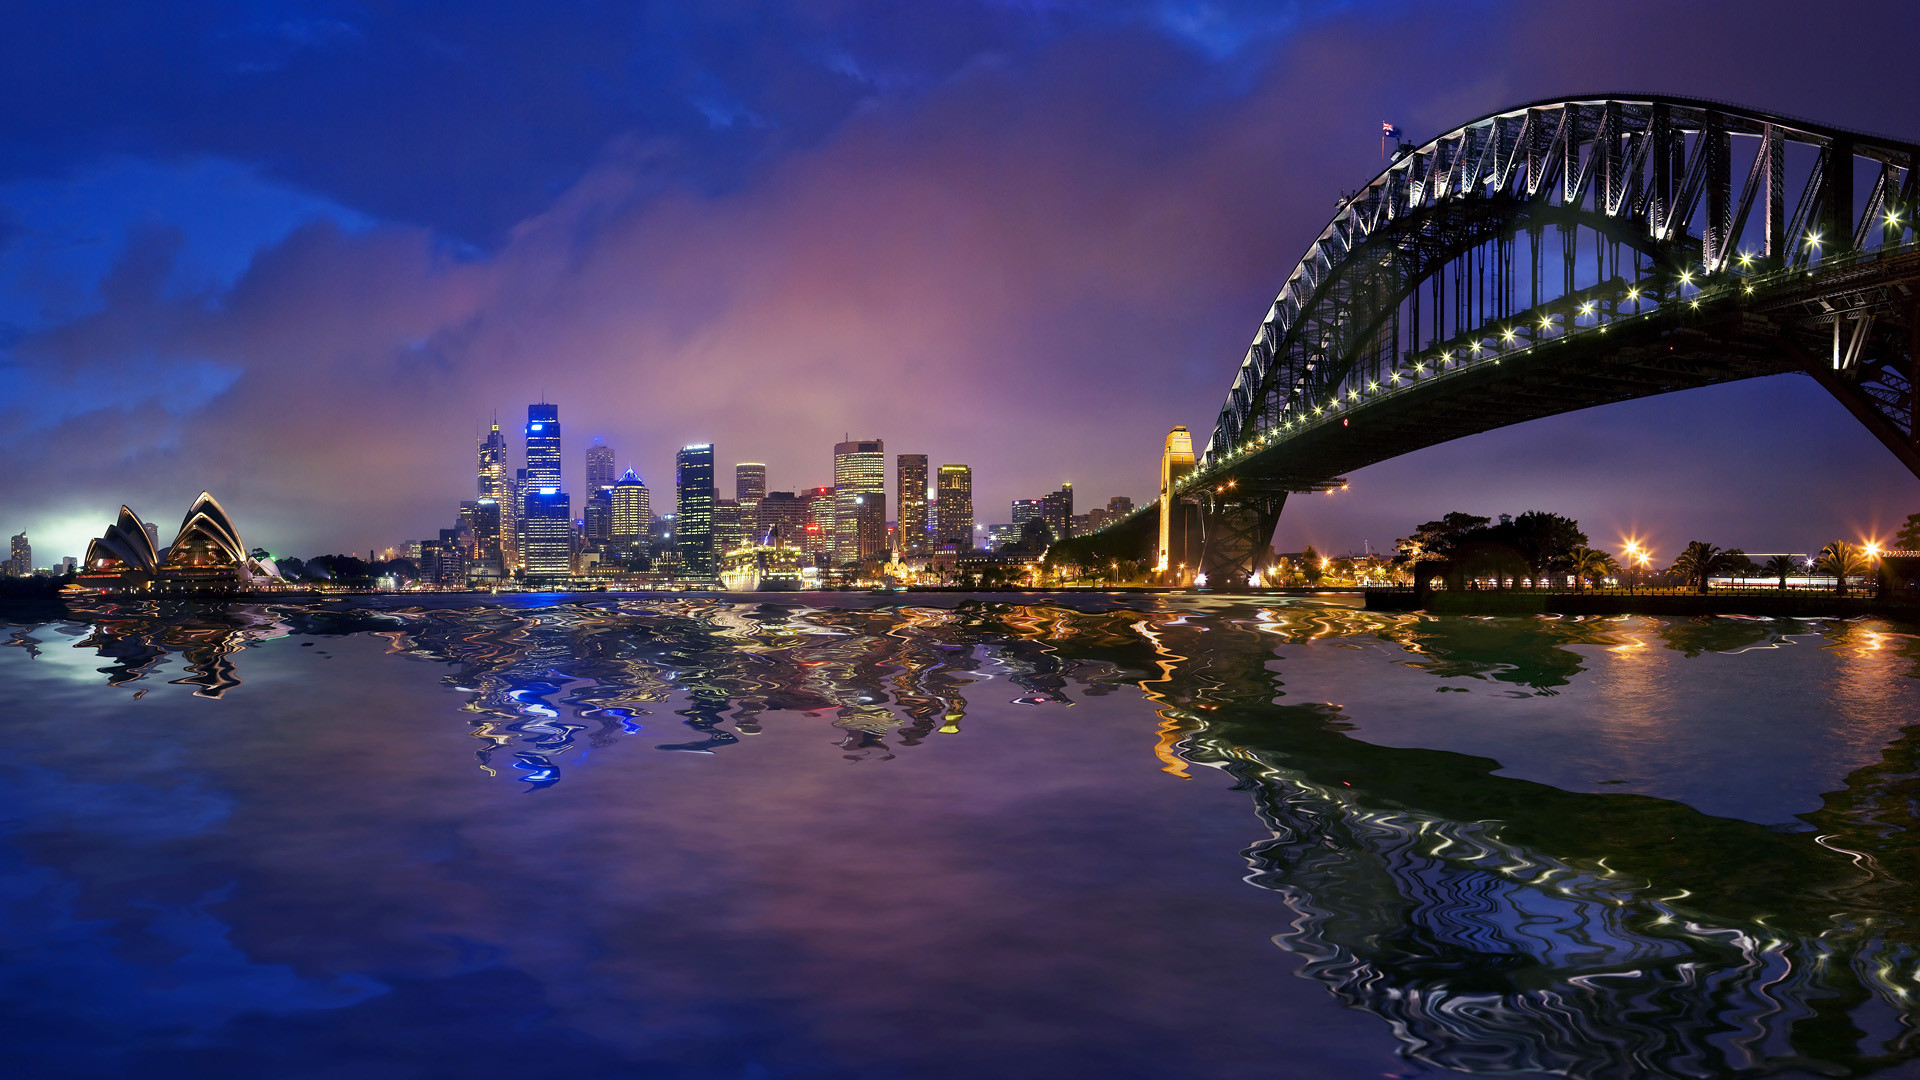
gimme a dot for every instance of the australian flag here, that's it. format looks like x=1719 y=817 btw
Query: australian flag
x=1388 y=131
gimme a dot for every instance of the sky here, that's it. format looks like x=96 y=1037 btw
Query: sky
x=297 y=253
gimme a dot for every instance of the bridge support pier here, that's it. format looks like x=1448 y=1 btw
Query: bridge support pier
x=1228 y=540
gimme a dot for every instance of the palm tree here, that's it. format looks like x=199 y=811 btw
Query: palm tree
x=1842 y=560
x=1701 y=560
x=1780 y=566
x=1588 y=563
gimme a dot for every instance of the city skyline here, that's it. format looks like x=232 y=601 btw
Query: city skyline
x=940 y=229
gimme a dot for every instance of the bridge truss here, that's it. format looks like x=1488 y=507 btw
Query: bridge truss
x=1561 y=255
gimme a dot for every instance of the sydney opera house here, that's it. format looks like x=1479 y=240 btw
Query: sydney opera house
x=206 y=556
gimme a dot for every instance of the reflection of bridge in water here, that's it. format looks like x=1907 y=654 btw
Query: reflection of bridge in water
x=1549 y=258
x=1497 y=924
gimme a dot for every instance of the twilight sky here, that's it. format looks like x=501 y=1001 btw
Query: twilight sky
x=296 y=252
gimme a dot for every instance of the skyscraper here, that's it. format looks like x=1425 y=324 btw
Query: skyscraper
x=543 y=446
x=1025 y=510
x=600 y=470
x=749 y=481
x=727 y=531
x=693 y=527
x=494 y=483
x=1056 y=509
x=549 y=514
x=20 y=560
x=632 y=511
x=859 y=501
x=783 y=515
x=956 y=508
x=910 y=487
x=547 y=550
x=820 y=530
x=482 y=519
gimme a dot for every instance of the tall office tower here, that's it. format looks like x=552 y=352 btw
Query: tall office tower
x=749 y=481
x=543 y=446
x=597 y=526
x=782 y=518
x=632 y=512
x=517 y=489
x=910 y=487
x=1025 y=510
x=693 y=529
x=600 y=470
x=549 y=550
x=496 y=483
x=727 y=533
x=20 y=561
x=481 y=518
x=153 y=534
x=820 y=531
x=1118 y=507
x=1056 y=509
x=859 y=501
x=956 y=508
x=749 y=487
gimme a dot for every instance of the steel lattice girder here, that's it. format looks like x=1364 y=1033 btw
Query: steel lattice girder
x=1617 y=165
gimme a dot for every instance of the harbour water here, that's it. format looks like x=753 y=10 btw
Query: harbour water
x=981 y=836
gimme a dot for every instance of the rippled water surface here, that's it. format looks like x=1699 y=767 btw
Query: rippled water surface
x=1180 y=838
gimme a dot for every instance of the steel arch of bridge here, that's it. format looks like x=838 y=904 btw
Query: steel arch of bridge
x=1694 y=241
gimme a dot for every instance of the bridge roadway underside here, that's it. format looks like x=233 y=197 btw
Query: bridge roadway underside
x=1792 y=325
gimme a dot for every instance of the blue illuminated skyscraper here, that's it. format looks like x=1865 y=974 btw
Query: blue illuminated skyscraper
x=545 y=508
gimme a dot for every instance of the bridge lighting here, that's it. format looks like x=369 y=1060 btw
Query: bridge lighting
x=1893 y=218
x=1813 y=240
x=1686 y=277
x=1586 y=308
x=1507 y=334
x=1746 y=258
x=1476 y=348
x=1396 y=376
x=1695 y=303
x=1546 y=322
x=1420 y=369
x=1373 y=386
x=1633 y=293
x=1353 y=395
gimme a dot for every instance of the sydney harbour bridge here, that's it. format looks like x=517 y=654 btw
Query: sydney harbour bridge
x=1546 y=258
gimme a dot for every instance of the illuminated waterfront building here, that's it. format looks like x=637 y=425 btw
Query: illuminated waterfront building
x=910 y=487
x=632 y=512
x=124 y=557
x=549 y=526
x=1176 y=462
x=693 y=528
x=1056 y=509
x=859 y=501
x=482 y=519
x=955 y=485
x=783 y=517
x=820 y=531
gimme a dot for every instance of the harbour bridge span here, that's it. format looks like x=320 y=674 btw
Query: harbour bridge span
x=1552 y=257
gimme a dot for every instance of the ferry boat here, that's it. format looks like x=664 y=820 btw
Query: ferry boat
x=762 y=568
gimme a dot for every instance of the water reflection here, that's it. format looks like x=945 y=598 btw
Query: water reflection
x=1495 y=924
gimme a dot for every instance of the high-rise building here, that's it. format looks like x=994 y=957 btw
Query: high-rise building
x=481 y=518
x=749 y=487
x=693 y=527
x=632 y=512
x=783 y=516
x=549 y=524
x=749 y=481
x=597 y=524
x=543 y=446
x=910 y=502
x=496 y=483
x=517 y=489
x=1025 y=510
x=727 y=532
x=153 y=534
x=955 y=485
x=20 y=560
x=1056 y=509
x=600 y=470
x=820 y=531
x=1118 y=507
x=859 y=501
